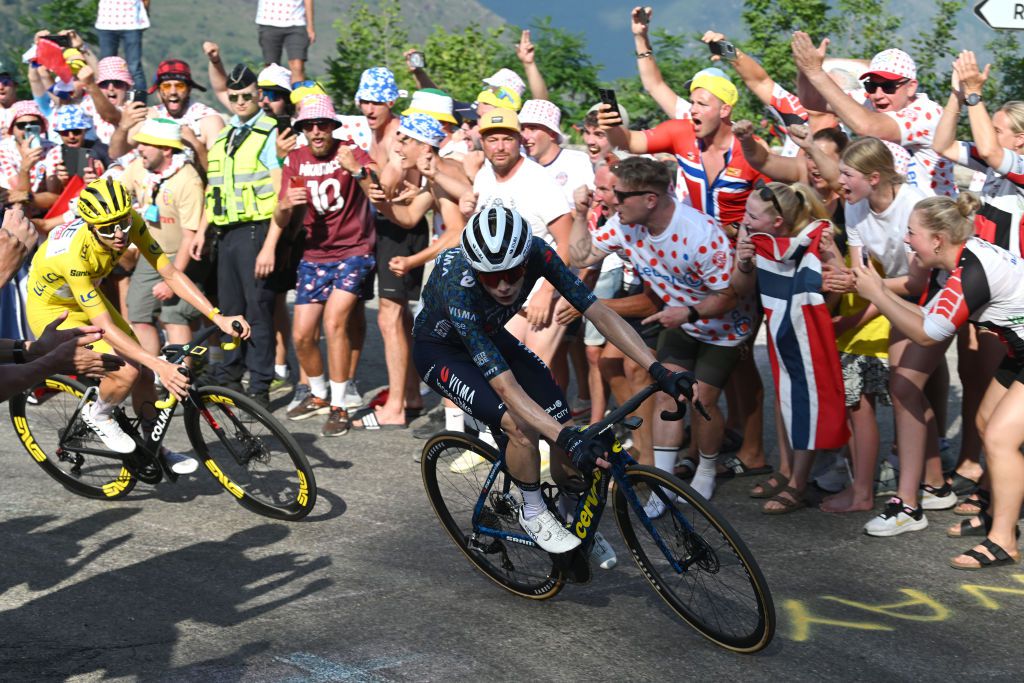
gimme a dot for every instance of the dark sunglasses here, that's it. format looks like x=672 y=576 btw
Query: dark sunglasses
x=6 y=80
x=272 y=95
x=109 y=230
x=22 y=125
x=888 y=87
x=244 y=96
x=767 y=195
x=322 y=124
x=72 y=131
x=623 y=195
x=117 y=84
x=511 y=276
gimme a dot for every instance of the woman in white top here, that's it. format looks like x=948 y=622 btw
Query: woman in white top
x=997 y=152
x=879 y=204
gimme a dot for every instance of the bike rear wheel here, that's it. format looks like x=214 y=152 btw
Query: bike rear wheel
x=250 y=454
x=524 y=570
x=41 y=423
x=722 y=593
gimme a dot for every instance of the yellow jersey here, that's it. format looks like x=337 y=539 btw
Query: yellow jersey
x=71 y=262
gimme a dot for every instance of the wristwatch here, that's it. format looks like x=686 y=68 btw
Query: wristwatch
x=972 y=99
x=694 y=315
x=18 y=351
x=360 y=174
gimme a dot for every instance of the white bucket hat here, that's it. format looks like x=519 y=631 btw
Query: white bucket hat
x=543 y=113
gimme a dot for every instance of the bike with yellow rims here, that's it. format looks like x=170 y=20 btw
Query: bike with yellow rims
x=241 y=444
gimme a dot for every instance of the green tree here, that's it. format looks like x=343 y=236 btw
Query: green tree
x=862 y=28
x=458 y=60
x=57 y=15
x=1006 y=79
x=932 y=49
x=769 y=23
x=571 y=76
x=366 y=37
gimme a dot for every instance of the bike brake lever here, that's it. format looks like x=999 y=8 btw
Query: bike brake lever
x=699 y=407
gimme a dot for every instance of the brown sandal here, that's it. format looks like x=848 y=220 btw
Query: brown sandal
x=769 y=487
x=794 y=501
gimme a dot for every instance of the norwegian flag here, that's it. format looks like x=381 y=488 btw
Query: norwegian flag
x=801 y=340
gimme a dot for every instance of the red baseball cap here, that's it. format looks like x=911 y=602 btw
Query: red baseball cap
x=174 y=70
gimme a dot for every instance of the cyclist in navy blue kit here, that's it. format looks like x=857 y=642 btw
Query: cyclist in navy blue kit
x=462 y=350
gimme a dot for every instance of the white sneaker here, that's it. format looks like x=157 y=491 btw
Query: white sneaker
x=179 y=462
x=941 y=498
x=353 y=399
x=109 y=431
x=466 y=462
x=896 y=519
x=654 y=507
x=547 y=532
x=602 y=553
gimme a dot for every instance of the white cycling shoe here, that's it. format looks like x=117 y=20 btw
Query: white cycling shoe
x=547 y=532
x=179 y=462
x=110 y=433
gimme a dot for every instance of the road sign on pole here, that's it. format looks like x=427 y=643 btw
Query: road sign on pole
x=1001 y=14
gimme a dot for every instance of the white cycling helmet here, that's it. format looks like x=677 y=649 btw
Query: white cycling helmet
x=496 y=239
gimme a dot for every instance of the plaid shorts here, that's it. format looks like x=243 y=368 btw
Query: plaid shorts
x=316 y=281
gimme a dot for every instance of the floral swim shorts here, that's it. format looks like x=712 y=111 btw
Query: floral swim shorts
x=316 y=281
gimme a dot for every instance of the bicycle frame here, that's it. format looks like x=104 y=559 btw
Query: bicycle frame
x=141 y=462
x=591 y=504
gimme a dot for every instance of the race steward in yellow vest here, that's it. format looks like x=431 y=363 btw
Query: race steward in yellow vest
x=239 y=186
x=68 y=267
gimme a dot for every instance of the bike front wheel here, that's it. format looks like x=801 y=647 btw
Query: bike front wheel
x=455 y=468
x=250 y=454
x=695 y=561
x=42 y=415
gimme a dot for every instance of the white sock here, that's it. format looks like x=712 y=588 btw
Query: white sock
x=281 y=370
x=454 y=420
x=338 y=390
x=318 y=385
x=488 y=438
x=102 y=408
x=704 y=480
x=665 y=457
x=533 y=502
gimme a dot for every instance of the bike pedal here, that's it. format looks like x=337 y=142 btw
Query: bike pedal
x=575 y=565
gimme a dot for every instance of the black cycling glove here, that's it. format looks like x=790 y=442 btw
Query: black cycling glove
x=672 y=383
x=582 y=451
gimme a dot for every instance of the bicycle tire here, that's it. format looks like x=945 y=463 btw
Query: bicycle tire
x=524 y=570
x=266 y=470
x=741 y=616
x=39 y=427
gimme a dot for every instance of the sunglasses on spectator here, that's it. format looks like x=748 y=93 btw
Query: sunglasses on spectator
x=623 y=195
x=172 y=86
x=244 y=96
x=888 y=87
x=322 y=124
x=271 y=95
x=303 y=84
x=71 y=131
x=767 y=195
x=6 y=80
x=120 y=85
x=109 y=230
x=511 y=276
x=22 y=125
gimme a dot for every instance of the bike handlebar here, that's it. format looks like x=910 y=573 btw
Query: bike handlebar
x=201 y=336
x=634 y=402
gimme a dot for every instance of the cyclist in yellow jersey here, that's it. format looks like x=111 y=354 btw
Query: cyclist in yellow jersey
x=64 y=276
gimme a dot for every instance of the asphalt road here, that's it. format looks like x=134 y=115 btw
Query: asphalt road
x=178 y=582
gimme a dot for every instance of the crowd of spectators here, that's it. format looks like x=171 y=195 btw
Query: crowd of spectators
x=850 y=247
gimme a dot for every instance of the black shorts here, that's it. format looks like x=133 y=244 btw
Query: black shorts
x=649 y=332
x=710 y=363
x=1009 y=371
x=276 y=39
x=394 y=240
x=450 y=371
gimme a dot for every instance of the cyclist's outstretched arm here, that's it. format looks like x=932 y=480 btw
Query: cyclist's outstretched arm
x=184 y=288
x=620 y=333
